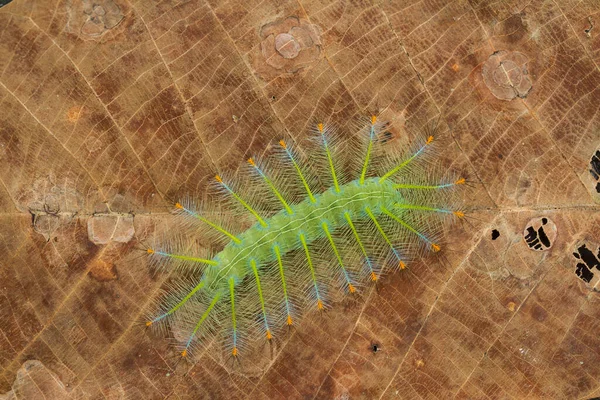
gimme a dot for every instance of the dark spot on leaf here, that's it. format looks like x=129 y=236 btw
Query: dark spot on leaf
x=540 y=234
x=588 y=257
x=543 y=238
x=595 y=165
x=584 y=273
x=495 y=234
x=584 y=269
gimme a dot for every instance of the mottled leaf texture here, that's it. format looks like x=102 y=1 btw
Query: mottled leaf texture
x=110 y=110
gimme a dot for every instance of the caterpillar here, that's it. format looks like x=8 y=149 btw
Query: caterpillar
x=299 y=232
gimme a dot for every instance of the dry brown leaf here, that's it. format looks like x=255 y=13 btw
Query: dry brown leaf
x=109 y=109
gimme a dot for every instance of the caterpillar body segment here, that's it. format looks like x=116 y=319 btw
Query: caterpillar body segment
x=305 y=232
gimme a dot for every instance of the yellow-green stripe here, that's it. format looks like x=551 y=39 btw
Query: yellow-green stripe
x=333 y=174
x=187 y=258
x=379 y=228
x=362 y=248
x=182 y=302
x=368 y=156
x=335 y=251
x=411 y=186
x=260 y=293
x=204 y=316
x=233 y=321
x=281 y=273
x=310 y=264
x=218 y=228
x=276 y=192
x=247 y=206
x=304 y=182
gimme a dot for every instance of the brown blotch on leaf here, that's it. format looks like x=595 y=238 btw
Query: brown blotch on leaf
x=538 y=313
x=74 y=113
x=287 y=46
x=102 y=271
x=505 y=74
x=511 y=306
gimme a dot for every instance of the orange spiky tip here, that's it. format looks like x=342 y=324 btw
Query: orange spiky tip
x=148 y=323
x=460 y=181
x=269 y=336
x=282 y=144
x=218 y=178
x=178 y=205
x=402 y=265
x=373 y=119
x=373 y=276
x=184 y=353
x=435 y=247
x=319 y=304
x=459 y=214
x=251 y=162
x=429 y=139
x=351 y=288
x=234 y=352
x=150 y=251
x=289 y=320
x=320 y=127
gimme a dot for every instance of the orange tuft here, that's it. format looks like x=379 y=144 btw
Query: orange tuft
x=319 y=304
x=251 y=162
x=184 y=353
x=148 y=323
x=218 y=178
x=373 y=120
x=460 y=181
x=459 y=214
x=150 y=251
x=289 y=320
x=234 y=352
x=429 y=139
x=269 y=336
x=373 y=276
x=178 y=205
x=351 y=288
x=402 y=265
x=435 y=247
x=282 y=143
x=320 y=126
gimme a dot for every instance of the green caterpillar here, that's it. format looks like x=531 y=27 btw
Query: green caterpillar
x=332 y=227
